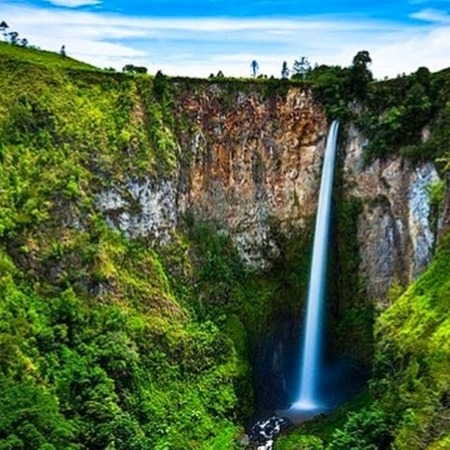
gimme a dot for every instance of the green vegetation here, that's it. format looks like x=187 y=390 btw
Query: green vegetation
x=407 y=116
x=107 y=342
x=112 y=372
x=100 y=345
x=112 y=343
x=397 y=111
x=360 y=425
x=337 y=88
x=13 y=55
x=413 y=356
x=351 y=315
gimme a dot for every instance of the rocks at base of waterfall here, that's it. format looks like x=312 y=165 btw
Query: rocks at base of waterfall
x=264 y=431
x=267 y=446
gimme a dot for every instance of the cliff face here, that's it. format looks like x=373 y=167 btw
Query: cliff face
x=248 y=163
x=395 y=232
x=254 y=166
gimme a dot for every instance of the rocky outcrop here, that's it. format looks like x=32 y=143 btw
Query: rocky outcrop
x=394 y=229
x=263 y=433
x=249 y=164
x=143 y=207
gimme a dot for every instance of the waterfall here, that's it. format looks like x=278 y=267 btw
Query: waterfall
x=308 y=396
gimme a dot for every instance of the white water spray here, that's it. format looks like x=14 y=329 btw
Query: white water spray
x=308 y=397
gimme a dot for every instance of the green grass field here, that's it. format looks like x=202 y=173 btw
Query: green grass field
x=16 y=53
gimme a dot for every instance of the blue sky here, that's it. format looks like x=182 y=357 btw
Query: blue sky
x=200 y=37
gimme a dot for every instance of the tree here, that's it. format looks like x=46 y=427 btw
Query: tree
x=301 y=68
x=255 y=67
x=362 y=58
x=285 y=70
x=418 y=109
x=364 y=430
x=423 y=76
x=140 y=69
x=360 y=74
x=131 y=68
x=13 y=37
x=160 y=86
x=3 y=27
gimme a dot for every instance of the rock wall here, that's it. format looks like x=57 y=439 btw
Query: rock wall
x=142 y=208
x=254 y=165
x=250 y=162
x=394 y=229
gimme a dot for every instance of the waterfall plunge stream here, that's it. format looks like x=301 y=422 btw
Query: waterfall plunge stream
x=308 y=398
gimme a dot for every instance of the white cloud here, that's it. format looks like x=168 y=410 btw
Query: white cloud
x=432 y=15
x=198 y=47
x=411 y=50
x=74 y=3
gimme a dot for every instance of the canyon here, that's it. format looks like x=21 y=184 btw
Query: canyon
x=155 y=240
x=250 y=165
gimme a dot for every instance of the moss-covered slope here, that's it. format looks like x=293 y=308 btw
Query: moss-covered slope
x=413 y=360
x=103 y=343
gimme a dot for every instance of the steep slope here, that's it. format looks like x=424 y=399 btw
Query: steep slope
x=11 y=54
x=101 y=347
x=413 y=359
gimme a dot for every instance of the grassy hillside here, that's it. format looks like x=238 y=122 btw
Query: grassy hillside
x=13 y=53
x=413 y=359
x=100 y=346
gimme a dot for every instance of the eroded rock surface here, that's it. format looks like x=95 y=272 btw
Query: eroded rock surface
x=250 y=163
x=142 y=208
x=394 y=229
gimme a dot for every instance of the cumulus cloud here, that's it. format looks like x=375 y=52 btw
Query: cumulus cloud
x=200 y=46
